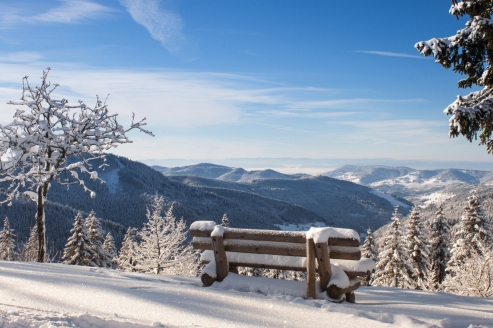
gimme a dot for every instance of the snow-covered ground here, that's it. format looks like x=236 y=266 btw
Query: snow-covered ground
x=390 y=198
x=56 y=295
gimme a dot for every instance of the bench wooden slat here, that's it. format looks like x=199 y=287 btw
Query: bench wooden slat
x=286 y=249
x=350 y=274
x=298 y=237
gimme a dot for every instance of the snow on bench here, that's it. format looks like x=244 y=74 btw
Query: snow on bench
x=335 y=251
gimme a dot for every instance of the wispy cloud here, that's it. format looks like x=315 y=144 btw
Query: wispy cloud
x=68 y=12
x=20 y=57
x=389 y=54
x=162 y=22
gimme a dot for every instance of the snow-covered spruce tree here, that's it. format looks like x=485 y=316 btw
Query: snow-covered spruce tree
x=109 y=247
x=438 y=250
x=417 y=249
x=35 y=146
x=95 y=234
x=29 y=250
x=127 y=258
x=163 y=248
x=7 y=243
x=474 y=277
x=393 y=267
x=469 y=52
x=225 y=221
x=78 y=250
x=473 y=230
x=369 y=250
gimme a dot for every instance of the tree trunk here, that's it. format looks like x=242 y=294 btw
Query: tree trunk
x=40 y=222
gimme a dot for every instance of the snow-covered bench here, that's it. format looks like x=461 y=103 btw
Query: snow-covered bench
x=332 y=252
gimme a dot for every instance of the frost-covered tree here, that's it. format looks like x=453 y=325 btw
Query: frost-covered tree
x=35 y=146
x=225 y=221
x=127 y=258
x=110 y=248
x=474 y=276
x=393 y=267
x=417 y=249
x=163 y=248
x=439 y=250
x=7 y=243
x=472 y=231
x=78 y=250
x=95 y=234
x=29 y=251
x=470 y=53
x=369 y=250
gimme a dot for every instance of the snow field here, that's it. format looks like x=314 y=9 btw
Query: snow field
x=56 y=295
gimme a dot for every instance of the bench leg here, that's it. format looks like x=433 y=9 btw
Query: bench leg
x=350 y=297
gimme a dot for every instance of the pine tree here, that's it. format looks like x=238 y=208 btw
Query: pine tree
x=393 y=267
x=95 y=234
x=163 y=248
x=109 y=247
x=369 y=251
x=127 y=258
x=30 y=248
x=225 y=221
x=438 y=247
x=7 y=243
x=472 y=231
x=474 y=276
x=468 y=52
x=417 y=249
x=78 y=249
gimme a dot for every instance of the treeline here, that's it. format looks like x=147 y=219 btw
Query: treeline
x=159 y=247
x=435 y=256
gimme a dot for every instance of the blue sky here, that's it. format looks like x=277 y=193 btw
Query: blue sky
x=247 y=79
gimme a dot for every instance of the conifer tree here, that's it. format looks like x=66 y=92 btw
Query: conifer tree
x=109 y=247
x=127 y=258
x=393 y=267
x=7 y=243
x=163 y=248
x=30 y=248
x=472 y=231
x=369 y=251
x=438 y=247
x=225 y=221
x=474 y=276
x=95 y=234
x=469 y=53
x=417 y=249
x=78 y=250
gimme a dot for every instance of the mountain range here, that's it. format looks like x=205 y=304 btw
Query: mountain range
x=268 y=201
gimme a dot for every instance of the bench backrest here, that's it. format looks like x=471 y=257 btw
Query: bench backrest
x=273 y=242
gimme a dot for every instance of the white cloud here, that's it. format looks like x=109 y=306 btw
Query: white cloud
x=389 y=54
x=68 y=12
x=20 y=57
x=162 y=23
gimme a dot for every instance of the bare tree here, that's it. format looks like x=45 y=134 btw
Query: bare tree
x=35 y=147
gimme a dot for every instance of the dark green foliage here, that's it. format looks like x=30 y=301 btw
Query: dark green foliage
x=469 y=52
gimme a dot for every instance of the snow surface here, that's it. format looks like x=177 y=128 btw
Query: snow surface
x=390 y=198
x=299 y=227
x=203 y=225
x=57 y=295
x=320 y=235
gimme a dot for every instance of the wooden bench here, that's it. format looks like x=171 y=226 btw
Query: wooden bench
x=332 y=252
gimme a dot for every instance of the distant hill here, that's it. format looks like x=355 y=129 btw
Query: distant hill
x=407 y=182
x=261 y=203
x=223 y=173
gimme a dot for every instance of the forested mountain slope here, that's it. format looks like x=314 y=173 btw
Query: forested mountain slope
x=121 y=202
